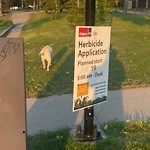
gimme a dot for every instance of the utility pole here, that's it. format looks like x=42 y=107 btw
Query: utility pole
x=22 y=4
x=136 y=5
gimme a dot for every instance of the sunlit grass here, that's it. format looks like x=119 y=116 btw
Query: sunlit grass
x=129 y=59
x=41 y=31
x=5 y=22
x=129 y=54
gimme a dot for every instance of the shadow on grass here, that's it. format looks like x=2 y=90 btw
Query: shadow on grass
x=59 y=55
x=48 y=140
x=136 y=19
x=116 y=71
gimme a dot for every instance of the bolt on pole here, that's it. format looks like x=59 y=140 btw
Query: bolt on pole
x=89 y=112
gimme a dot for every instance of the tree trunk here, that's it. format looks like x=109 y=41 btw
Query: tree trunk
x=34 y=5
x=147 y=3
x=22 y=4
x=125 y=6
x=40 y=4
x=136 y=6
x=78 y=2
x=1 y=8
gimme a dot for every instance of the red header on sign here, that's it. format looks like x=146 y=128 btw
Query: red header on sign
x=85 y=32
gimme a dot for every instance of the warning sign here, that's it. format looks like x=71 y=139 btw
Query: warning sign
x=92 y=46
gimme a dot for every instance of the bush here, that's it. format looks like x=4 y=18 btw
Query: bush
x=76 y=13
x=5 y=22
x=103 y=12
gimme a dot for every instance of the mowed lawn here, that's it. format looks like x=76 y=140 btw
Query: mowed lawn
x=120 y=136
x=129 y=54
x=130 y=51
x=5 y=22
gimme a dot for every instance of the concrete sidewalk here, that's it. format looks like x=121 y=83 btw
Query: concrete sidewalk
x=54 y=112
x=18 y=19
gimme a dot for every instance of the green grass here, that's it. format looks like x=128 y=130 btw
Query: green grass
x=129 y=59
x=120 y=136
x=129 y=55
x=41 y=31
x=5 y=22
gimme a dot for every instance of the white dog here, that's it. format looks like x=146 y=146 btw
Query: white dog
x=46 y=56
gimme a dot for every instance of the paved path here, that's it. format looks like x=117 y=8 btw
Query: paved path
x=18 y=19
x=54 y=112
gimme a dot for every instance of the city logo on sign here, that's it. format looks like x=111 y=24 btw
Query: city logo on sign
x=85 y=32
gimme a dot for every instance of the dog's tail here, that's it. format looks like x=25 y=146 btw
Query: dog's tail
x=41 y=53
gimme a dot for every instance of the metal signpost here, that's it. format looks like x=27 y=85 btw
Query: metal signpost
x=89 y=112
x=92 y=45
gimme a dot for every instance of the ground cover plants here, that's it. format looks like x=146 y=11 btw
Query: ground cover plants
x=5 y=22
x=129 y=54
x=120 y=136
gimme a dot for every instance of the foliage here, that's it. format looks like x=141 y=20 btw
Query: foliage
x=103 y=11
x=16 y=3
x=114 y=128
x=5 y=22
x=137 y=135
x=120 y=136
x=54 y=6
x=76 y=13
x=6 y=4
x=48 y=140
x=48 y=5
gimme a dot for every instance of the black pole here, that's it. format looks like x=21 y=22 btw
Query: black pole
x=90 y=12
x=89 y=112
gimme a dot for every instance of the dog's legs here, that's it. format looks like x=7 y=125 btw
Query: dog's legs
x=43 y=62
x=48 y=64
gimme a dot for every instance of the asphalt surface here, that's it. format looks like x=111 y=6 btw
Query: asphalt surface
x=18 y=19
x=54 y=112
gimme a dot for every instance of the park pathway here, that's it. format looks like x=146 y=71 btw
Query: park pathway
x=54 y=112
x=18 y=19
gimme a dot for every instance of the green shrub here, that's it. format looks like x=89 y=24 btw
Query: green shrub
x=4 y=22
x=76 y=13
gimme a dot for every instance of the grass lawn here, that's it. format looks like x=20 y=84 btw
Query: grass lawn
x=129 y=54
x=41 y=30
x=5 y=22
x=129 y=57
x=120 y=136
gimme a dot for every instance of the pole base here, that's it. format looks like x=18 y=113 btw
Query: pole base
x=80 y=136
